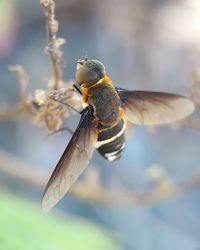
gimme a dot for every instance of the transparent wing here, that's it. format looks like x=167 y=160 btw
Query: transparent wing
x=73 y=161
x=154 y=108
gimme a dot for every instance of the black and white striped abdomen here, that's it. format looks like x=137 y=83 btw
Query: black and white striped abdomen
x=110 y=142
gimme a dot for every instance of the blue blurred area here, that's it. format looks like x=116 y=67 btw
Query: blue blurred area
x=144 y=46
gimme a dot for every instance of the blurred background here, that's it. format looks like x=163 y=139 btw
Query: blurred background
x=145 y=45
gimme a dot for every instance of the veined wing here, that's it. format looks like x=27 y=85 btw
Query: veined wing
x=154 y=108
x=73 y=161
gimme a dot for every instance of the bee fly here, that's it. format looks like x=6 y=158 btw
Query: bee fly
x=106 y=109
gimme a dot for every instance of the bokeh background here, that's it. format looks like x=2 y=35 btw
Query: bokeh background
x=145 y=45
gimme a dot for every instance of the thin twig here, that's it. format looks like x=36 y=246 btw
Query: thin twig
x=23 y=80
x=7 y=113
x=53 y=43
x=16 y=169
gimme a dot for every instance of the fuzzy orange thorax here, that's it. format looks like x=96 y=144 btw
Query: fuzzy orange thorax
x=86 y=90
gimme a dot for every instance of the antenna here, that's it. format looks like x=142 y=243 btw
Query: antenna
x=86 y=57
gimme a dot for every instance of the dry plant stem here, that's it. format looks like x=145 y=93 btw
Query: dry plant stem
x=11 y=113
x=18 y=108
x=23 y=80
x=16 y=169
x=53 y=43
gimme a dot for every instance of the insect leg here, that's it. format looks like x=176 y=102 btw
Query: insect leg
x=77 y=88
x=58 y=131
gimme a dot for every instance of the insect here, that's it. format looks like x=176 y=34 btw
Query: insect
x=106 y=110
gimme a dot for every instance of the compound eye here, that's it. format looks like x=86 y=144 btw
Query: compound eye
x=99 y=65
x=89 y=71
x=85 y=74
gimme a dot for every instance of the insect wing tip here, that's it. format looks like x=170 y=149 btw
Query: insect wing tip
x=188 y=107
x=47 y=203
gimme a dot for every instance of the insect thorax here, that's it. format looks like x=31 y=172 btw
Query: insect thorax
x=106 y=104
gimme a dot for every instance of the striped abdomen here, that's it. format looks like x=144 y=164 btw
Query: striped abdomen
x=110 y=142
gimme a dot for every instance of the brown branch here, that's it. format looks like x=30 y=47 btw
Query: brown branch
x=53 y=43
x=40 y=108
x=10 y=113
x=23 y=80
x=7 y=113
x=89 y=191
